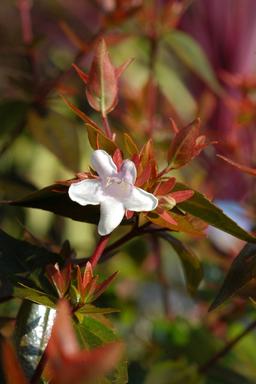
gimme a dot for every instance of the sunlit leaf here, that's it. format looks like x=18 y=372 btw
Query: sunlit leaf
x=193 y=56
x=24 y=292
x=241 y=272
x=199 y=206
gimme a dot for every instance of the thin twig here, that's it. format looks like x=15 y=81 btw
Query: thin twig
x=227 y=348
x=99 y=250
x=107 y=126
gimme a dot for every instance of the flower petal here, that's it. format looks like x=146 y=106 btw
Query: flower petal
x=103 y=164
x=140 y=200
x=111 y=214
x=86 y=192
x=128 y=171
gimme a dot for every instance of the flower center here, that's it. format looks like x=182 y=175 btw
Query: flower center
x=117 y=187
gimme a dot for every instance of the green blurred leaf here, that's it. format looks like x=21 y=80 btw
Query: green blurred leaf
x=58 y=134
x=25 y=292
x=94 y=331
x=241 y=272
x=192 y=55
x=175 y=91
x=88 y=309
x=199 y=206
x=21 y=260
x=192 y=266
x=173 y=372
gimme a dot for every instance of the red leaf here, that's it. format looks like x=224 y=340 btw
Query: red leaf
x=130 y=145
x=187 y=144
x=118 y=158
x=144 y=176
x=120 y=70
x=165 y=187
x=166 y=216
x=103 y=286
x=12 y=369
x=67 y=363
x=242 y=168
x=81 y=74
x=79 y=113
x=180 y=196
x=101 y=88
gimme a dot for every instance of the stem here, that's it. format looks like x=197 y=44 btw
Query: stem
x=108 y=252
x=35 y=379
x=99 y=250
x=107 y=126
x=213 y=360
x=160 y=271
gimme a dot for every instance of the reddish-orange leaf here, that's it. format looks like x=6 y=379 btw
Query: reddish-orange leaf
x=120 y=70
x=241 y=167
x=101 y=90
x=81 y=74
x=130 y=145
x=12 y=369
x=187 y=144
x=118 y=158
x=79 y=113
x=166 y=216
x=180 y=196
x=103 y=286
x=144 y=176
x=165 y=187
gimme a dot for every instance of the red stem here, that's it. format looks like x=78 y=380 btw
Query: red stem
x=107 y=126
x=99 y=250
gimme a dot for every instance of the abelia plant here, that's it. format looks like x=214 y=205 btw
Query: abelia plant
x=128 y=192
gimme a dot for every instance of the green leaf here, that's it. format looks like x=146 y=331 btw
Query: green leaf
x=21 y=260
x=95 y=331
x=192 y=55
x=58 y=134
x=25 y=292
x=175 y=91
x=241 y=272
x=173 y=372
x=91 y=309
x=199 y=206
x=192 y=266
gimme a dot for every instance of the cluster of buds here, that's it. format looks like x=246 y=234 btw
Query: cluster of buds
x=83 y=289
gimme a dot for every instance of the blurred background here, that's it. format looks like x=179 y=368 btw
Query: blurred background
x=192 y=58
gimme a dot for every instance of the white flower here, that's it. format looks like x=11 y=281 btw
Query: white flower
x=113 y=190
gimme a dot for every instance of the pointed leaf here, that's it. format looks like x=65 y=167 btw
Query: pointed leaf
x=24 y=292
x=130 y=145
x=88 y=309
x=241 y=272
x=199 y=206
x=98 y=140
x=12 y=369
x=101 y=88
